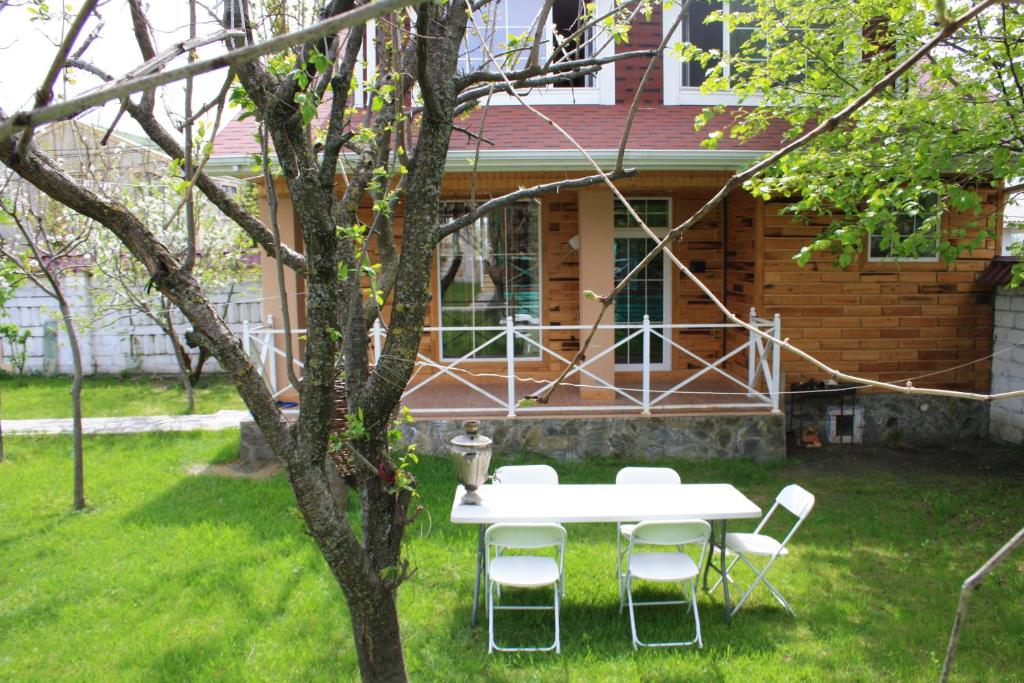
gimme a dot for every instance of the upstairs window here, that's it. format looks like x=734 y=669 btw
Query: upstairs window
x=508 y=28
x=684 y=78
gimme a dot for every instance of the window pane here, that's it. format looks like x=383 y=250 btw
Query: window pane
x=705 y=36
x=645 y=294
x=565 y=16
x=490 y=271
x=907 y=225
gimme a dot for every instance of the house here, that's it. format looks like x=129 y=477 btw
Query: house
x=508 y=297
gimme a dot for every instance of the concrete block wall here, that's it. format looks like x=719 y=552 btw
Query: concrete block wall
x=112 y=344
x=1006 y=418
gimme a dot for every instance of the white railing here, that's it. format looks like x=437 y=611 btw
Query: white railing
x=759 y=389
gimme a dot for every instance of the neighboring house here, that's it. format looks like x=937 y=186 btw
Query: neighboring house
x=528 y=266
x=110 y=342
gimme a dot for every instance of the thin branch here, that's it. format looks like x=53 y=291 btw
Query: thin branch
x=268 y=179
x=190 y=205
x=967 y=592
x=45 y=92
x=628 y=127
x=72 y=107
x=207 y=185
x=526 y=193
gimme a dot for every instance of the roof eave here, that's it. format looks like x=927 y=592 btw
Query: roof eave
x=520 y=160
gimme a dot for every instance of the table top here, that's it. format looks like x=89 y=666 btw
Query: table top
x=603 y=503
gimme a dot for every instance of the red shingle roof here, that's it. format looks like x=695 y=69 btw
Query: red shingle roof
x=593 y=126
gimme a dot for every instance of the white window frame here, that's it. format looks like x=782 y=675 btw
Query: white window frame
x=603 y=92
x=667 y=269
x=934 y=258
x=674 y=92
x=540 y=296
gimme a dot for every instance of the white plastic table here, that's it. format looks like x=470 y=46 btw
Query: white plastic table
x=561 y=503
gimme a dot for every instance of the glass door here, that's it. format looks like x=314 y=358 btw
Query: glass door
x=646 y=294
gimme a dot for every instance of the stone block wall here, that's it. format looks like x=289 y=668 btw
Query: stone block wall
x=1006 y=418
x=898 y=419
x=691 y=437
x=112 y=343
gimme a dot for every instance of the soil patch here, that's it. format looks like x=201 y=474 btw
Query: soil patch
x=234 y=470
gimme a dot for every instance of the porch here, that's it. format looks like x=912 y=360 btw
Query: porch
x=743 y=377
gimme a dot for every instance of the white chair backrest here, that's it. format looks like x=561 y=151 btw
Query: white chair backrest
x=797 y=500
x=526 y=474
x=525 y=536
x=671 y=533
x=647 y=476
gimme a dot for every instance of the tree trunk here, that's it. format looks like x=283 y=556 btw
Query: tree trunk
x=378 y=638
x=180 y=356
x=76 y=396
x=1 y=436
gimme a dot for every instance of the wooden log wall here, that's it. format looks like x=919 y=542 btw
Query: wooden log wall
x=885 y=320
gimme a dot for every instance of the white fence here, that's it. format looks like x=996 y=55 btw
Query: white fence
x=711 y=386
x=112 y=344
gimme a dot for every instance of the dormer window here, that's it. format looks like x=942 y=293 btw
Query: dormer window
x=508 y=29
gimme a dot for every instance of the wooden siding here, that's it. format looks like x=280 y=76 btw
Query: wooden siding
x=890 y=321
x=743 y=267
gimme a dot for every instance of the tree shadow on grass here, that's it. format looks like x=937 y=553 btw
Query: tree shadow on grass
x=265 y=507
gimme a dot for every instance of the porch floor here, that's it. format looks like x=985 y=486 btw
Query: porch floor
x=444 y=396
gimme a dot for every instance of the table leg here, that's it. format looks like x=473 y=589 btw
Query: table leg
x=725 y=578
x=711 y=557
x=479 y=572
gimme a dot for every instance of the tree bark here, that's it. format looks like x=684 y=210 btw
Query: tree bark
x=377 y=636
x=76 y=387
x=180 y=357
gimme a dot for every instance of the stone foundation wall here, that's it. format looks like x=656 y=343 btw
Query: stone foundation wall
x=897 y=419
x=694 y=437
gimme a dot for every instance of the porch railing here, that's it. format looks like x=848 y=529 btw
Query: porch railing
x=504 y=391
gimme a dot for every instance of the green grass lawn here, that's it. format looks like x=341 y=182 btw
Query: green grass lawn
x=34 y=396
x=176 y=577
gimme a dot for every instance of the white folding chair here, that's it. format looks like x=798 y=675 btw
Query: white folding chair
x=666 y=567
x=526 y=474
x=643 y=476
x=523 y=571
x=799 y=502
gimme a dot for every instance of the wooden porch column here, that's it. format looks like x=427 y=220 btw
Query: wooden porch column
x=294 y=284
x=597 y=232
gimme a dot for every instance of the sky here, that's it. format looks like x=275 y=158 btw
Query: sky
x=27 y=48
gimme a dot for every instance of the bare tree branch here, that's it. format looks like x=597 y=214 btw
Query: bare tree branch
x=74 y=106
x=45 y=92
x=972 y=584
x=628 y=127
x=526 y=193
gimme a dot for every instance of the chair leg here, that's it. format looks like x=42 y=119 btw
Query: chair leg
x=696 y=616
x=778 y=596
x=618 y=562
x=632 y=616
x=760 y=578
x=490 y=616
x=728 y=569
x=558 y=637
